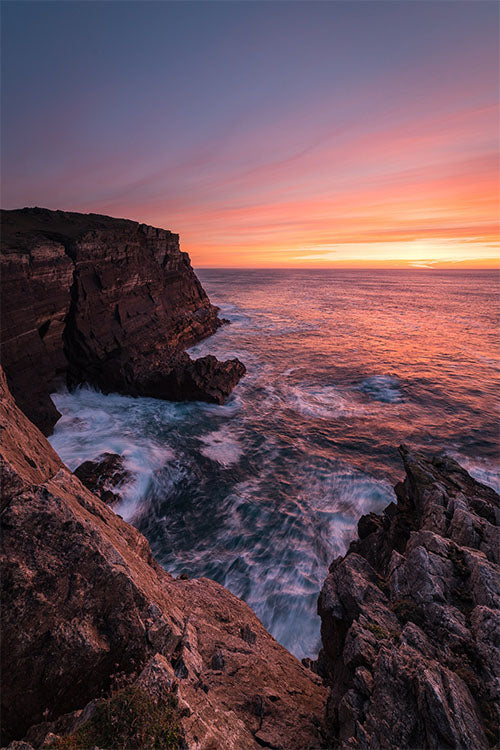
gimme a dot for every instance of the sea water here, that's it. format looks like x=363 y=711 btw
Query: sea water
x=262 y=493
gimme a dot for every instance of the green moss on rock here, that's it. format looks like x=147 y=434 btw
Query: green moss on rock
x=128 y=720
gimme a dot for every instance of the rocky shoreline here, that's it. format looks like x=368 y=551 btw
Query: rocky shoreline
x=99 y=642
x=83 y=601
x=410 y=617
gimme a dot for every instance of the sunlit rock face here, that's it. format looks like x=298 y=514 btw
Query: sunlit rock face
x=83 y=600
x=410 y=617
x=110 y=302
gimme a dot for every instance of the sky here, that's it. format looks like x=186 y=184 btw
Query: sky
x=267 y=134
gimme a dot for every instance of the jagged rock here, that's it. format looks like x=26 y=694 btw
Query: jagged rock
x=110 y=302
x=83 y=601
x=368 y=524
x=207 y=379
x=104 y=476
x=43 y=734
x=218 y=661
x=410 y=618
x=248 y=635
x=203 y=379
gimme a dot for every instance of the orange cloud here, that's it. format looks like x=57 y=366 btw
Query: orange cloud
x=416 y=190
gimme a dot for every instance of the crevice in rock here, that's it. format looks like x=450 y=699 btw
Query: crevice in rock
x=42 y=330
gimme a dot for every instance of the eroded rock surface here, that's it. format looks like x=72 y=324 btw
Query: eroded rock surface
x=83 y=600
x=110 y=302
x=410 y=618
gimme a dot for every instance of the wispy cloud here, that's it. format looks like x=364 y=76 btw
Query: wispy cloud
x=301 y=150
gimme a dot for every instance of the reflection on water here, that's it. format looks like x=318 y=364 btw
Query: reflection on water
x=261 y=493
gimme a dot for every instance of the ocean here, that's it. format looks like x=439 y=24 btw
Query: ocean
x=262 y=493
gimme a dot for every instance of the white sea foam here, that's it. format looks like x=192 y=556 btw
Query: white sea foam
x=484 y=471
x=323 y=401
x=234 y=314
x=306 y=529
x=336 y=499
x=385 y=388
x=222 y=446
x=232 y=406
x=93 y=423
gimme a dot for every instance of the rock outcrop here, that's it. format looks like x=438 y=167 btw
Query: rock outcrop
x=110 y=302
x=83 y=600
x=410 y=619
x=104 y=476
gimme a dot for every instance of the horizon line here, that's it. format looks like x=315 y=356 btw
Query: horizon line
x=381 y=267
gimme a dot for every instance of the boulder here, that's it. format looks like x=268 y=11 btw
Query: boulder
x=104 y=476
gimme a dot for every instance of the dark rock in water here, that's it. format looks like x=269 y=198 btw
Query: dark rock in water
x=84 y=601
x=410 y=619
x=110 y=302
x=203 y=379
x=207 y=379
x=104 y=476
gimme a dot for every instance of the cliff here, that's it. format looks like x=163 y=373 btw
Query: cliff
x=109 y=302
x=83 y=601
x=410 y=619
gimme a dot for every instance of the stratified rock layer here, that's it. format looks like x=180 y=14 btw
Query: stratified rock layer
x=110 y=302
x=83 y=600
x=410 y=618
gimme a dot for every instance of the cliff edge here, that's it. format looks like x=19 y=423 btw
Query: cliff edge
x=109 y=302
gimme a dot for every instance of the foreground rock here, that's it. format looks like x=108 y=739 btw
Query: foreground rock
x=110 y=302
x=410 y=619
x=83 y=601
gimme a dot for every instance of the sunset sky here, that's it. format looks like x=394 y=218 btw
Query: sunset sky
x=266 y=134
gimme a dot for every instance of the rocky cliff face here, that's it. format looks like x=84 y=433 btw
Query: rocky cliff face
x=110 y=302
x=83 y=600
x=410 y=620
